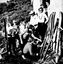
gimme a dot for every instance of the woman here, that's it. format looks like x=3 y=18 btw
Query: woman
x=28 y=46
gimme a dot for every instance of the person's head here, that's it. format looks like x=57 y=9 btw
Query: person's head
x=41 y=9
x=31 y=27
x=30 y=39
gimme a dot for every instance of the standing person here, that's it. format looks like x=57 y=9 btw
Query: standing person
x=12 y=43
x=42 y=22
x=12 y=40
x=23 y=29
x=8 y=28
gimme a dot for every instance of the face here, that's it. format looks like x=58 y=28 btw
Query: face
x=41 y=10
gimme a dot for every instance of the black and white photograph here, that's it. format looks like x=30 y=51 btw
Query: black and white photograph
x=31 y=32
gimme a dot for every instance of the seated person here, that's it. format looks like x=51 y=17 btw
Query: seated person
x=28 y=46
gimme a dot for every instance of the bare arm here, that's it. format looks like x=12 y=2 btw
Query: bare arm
x=36 y=38
x=46 y=18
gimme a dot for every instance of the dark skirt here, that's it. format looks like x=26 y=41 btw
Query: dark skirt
x=42 y=29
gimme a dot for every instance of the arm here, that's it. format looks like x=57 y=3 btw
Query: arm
x=36 y=38
x=24 y=31
x=46 y=18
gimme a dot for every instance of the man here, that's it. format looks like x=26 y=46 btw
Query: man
x=22 y=29
x=11 y=38
x=8 y=28
x=16 y=33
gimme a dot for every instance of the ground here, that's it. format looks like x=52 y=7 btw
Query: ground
x=11 y=59
x=14 y=60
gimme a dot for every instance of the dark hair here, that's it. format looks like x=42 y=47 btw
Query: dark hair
x=31 y=26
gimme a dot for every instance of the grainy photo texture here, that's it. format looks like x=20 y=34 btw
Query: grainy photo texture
x=31 y=31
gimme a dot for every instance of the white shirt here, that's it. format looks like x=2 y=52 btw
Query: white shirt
x=22 y=29
x=42 y=17
x=34 y=20
x=38 y=19
x=8 y=28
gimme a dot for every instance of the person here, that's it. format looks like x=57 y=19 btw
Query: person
x=16 y=33
x=22 y=29
x=28 y=46
x=42 y=22
x=11 y=38
x=33 y=19
x=42 y=16
x=8 y=28
x=27 y=49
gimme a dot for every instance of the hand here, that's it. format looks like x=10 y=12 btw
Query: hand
x=38 y=45
x=40 y=40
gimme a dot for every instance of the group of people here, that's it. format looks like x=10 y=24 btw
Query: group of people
x=26 y=33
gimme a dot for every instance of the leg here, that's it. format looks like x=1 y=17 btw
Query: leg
x=9 y=45
x=14 y=45
x=20 y=39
